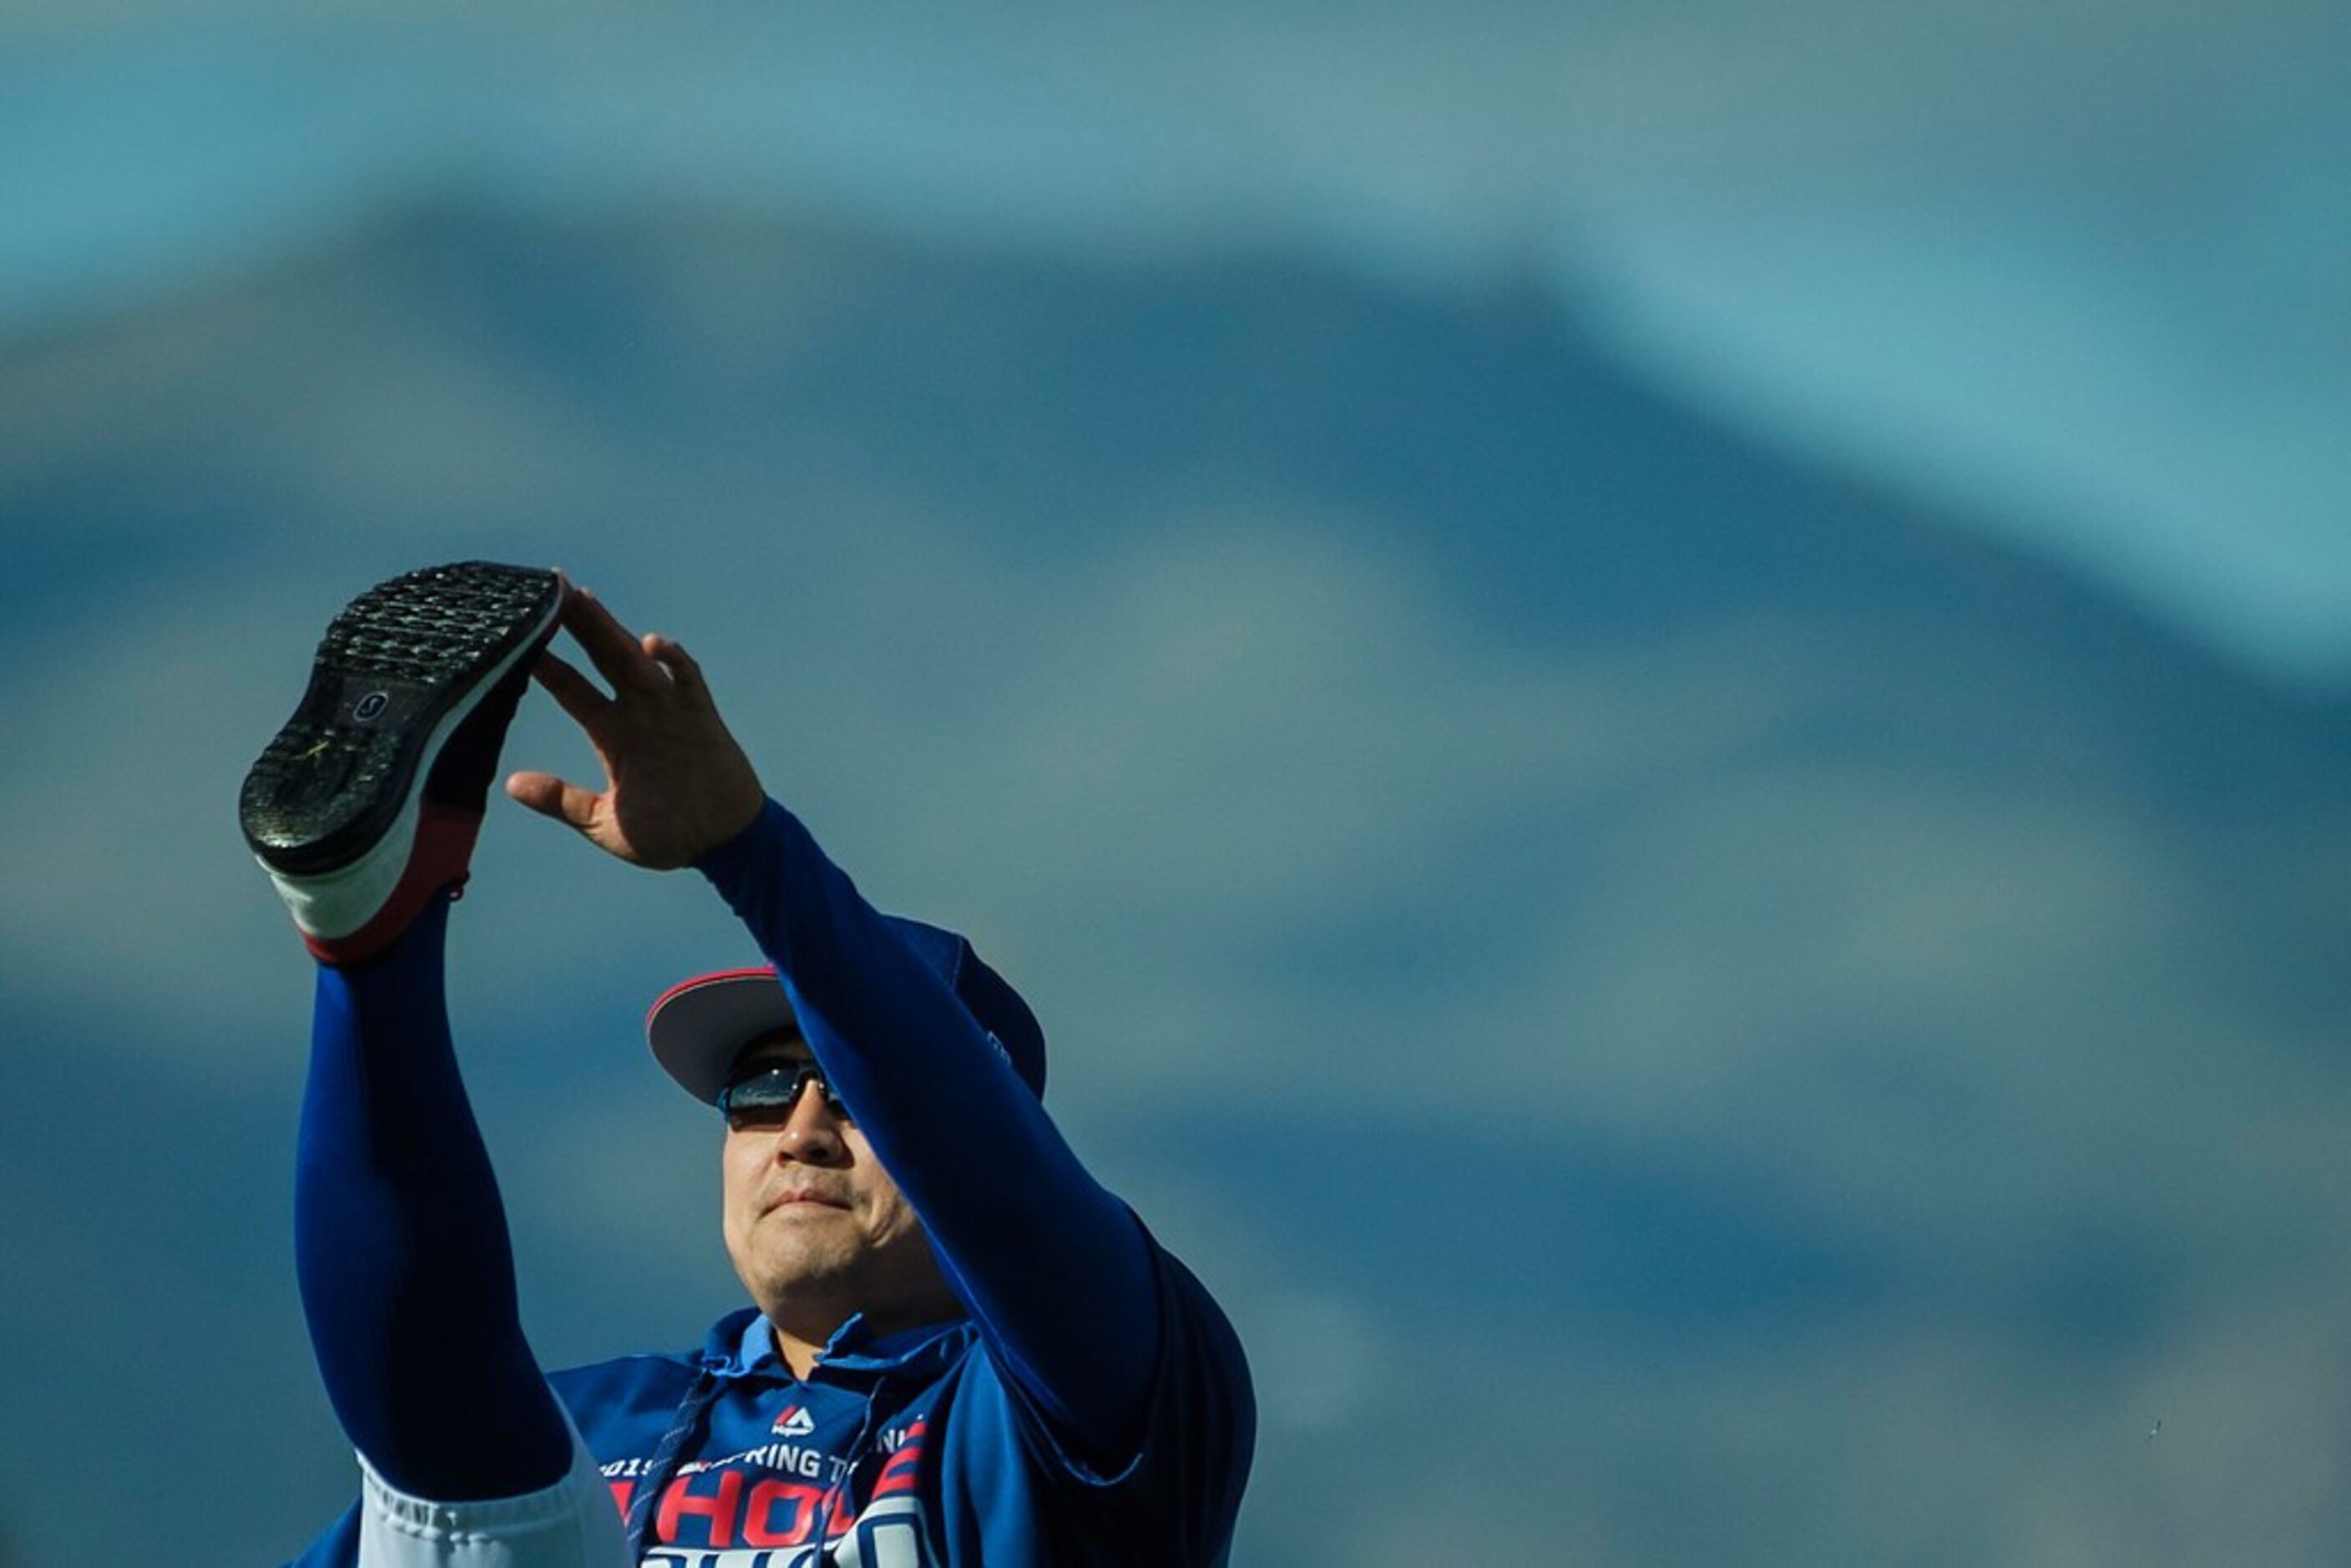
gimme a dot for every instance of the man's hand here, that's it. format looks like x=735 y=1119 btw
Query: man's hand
x=677 y=786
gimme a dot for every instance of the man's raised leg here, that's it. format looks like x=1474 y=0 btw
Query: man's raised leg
x=400 y=1243
x=364 y=809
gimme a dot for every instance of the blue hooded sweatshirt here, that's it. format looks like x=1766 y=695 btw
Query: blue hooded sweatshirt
x=1092 y=1407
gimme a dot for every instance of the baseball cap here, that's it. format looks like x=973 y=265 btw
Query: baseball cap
x=699 y=1026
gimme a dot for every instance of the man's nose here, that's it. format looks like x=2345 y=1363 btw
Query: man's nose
x=811 y=1131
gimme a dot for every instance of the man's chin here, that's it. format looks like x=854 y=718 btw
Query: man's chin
x=799 y=1274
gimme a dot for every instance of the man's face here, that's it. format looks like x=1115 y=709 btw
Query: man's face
x=816 y=1227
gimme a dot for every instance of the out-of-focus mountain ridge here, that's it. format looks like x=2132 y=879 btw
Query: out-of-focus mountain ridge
x=1397 y=741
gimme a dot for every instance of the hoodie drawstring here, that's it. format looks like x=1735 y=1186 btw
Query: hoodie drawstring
x=682 y=1428
x=848 y=1479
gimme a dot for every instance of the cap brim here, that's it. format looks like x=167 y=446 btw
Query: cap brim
x=698 y=1027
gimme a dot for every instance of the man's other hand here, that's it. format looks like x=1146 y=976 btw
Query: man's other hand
x=677 y=786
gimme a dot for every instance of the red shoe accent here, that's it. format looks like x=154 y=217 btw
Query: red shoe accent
x=443 y=858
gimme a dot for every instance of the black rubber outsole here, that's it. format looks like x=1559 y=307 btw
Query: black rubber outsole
x=392 y=664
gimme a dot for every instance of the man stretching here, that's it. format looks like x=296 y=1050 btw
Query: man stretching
x=960 y=1349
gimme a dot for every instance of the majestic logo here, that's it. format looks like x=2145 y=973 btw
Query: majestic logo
x=795 y=1422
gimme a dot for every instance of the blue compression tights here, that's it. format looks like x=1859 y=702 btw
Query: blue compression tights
x=400 y=1243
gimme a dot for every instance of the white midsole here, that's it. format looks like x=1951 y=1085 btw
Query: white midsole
x=333 y=904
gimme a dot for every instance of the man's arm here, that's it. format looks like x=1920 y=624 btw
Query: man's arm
x=1055 y=1269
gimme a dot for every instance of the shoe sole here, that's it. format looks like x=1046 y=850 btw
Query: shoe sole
x=399 y=669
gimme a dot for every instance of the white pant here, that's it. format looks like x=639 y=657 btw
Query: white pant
x=571 y=1524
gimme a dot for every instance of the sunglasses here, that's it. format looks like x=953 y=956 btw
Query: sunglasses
x=765 y=1098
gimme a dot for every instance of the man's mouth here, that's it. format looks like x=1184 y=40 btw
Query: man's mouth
x=805 y=1197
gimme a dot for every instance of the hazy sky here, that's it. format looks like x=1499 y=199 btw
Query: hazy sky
x=2084 y=269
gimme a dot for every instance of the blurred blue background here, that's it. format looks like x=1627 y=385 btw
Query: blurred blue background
x=1654 y=696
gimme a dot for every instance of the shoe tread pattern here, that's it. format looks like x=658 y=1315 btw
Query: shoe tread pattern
x=330 y=782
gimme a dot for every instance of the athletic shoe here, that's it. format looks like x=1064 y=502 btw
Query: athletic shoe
x=366 y=805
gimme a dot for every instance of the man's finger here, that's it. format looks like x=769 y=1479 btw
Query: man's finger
x=573 y=692
x=612 y=647
x=683 y=670
x=552 y=797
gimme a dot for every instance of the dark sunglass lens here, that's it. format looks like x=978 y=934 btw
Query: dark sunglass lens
x=770 y=1095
